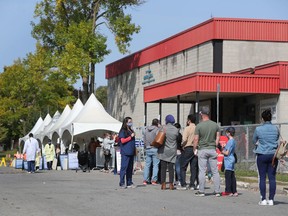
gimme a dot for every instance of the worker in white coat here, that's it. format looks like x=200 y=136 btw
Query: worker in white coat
x=31 y=148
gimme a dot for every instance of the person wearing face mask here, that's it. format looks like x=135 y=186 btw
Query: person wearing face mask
x=229 y=163
x=31 y=148
x=49 y=154
x=127 y=149
x=167 y=153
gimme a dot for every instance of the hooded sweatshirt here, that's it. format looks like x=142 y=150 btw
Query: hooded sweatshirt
x=149 y=135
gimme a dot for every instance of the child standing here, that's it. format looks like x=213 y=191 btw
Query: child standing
x=229 y=162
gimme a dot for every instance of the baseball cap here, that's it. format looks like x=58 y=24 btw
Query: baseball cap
x=205 y=110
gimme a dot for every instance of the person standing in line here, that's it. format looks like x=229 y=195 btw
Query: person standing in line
x=151 y=153
x=266 y=138
x=168 y=152
x=31 y=148
x=229 y=164
x=58 y=152
x=206 y=138
x=49 y=154
x=92 y=153
x=107 y=146
x=178 y=158
x=188 y=156
x=127 y=151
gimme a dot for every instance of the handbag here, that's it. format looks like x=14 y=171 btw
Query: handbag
x=159 y=139
x=280 y=152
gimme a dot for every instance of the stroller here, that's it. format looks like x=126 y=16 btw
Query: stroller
x=83 y=161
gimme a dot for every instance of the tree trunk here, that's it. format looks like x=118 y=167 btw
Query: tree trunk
x=85 y=92
x=92 y=79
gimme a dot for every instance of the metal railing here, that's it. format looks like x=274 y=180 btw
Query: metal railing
x=244 y=147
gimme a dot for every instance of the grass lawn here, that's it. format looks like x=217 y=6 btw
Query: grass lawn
x=252 y=176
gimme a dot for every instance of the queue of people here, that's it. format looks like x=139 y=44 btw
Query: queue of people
x=196 y=148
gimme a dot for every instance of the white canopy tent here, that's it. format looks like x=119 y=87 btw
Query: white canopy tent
x=66 y=125
x=44 y=124
x=47 y=128
x=54 y=130
x=33 y=130
x=93 y=120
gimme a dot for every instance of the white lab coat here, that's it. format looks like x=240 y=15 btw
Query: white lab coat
x=31 y=147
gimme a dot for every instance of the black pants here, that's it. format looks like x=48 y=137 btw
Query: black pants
x=230 y=181
x=92 y=160
x=188 y=157
x=107 y=160
x=49 y=165
x=163 y=165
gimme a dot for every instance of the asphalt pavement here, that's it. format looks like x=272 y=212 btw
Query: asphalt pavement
x=70 y=193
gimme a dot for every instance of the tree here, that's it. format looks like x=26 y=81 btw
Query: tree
x=101 y=95
x=28 y=88
x=71 y=30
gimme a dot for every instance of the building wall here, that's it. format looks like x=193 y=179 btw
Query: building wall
x=283 y=107
x=238 y=55
x=283 y=113
x=125 y=92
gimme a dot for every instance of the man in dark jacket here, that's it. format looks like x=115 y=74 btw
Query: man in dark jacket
x=151 y=153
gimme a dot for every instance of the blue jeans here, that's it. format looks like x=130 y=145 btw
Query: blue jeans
x=151 y=156
x=264 y=165
x=178 y=168
x=31 y=166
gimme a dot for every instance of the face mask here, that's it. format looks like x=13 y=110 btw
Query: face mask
x=129 y=124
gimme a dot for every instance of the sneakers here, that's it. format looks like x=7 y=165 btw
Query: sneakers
x=270 y=202
x=226 y=194
x=123 y=187
x=181 y=188
x=235 y=194
x=263 y=202
x=144 y=182
x=217 y=194
x=266 y=202
x=154 y=183
x=199 y=194
x=131 y=186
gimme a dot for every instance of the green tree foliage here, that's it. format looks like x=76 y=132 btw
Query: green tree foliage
x=28 y=88
x=101 y=95
x=72 y=31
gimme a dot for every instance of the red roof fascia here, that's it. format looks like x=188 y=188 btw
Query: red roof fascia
x=181 y=41
x=279 y=68
x=216 y=28
x=207 y=82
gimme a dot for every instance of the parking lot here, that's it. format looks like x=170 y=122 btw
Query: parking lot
x=69 y=193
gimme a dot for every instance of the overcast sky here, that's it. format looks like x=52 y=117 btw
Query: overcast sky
x=158 y=19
